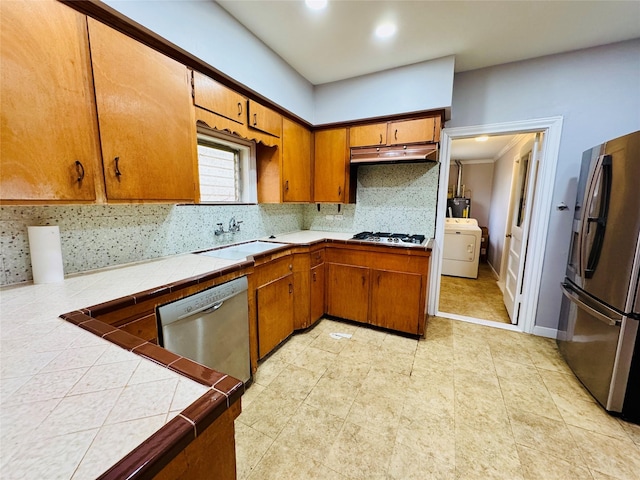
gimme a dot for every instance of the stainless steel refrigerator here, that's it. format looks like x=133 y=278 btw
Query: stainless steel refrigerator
x=598 y=327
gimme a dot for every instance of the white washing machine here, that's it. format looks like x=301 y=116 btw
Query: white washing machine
x=461 y=251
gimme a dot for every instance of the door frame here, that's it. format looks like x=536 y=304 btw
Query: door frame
x=541 y=210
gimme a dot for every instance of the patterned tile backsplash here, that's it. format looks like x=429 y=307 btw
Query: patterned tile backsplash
x=389 y=198
x=398 y=198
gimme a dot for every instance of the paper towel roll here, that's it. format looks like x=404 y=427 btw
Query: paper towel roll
x=46 y=254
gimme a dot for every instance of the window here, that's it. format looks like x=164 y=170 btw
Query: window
x=226 y=168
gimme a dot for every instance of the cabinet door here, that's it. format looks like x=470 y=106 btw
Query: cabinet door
x=411 y=131
x=348 y=292
x=365 y=135
x=217 y=98
x=144 y=114
x=49 y=148
x=275 y=313
x=317 y=288
x=264 y=119
x=331 y=162
x=395 y=300
x=296 y=162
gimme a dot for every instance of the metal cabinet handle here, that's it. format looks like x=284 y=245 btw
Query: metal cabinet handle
x=80 y=170
x=380 y=139
x=363 y=280
x=290 y=266
x=117 y=161
x=290 y=289
x=339 y=191
x=255 y=119
x=239 y=108
x=314 y=276
x=395 y=135
x=286 y=186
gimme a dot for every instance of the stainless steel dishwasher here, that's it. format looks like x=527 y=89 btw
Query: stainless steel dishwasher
x=210 y=327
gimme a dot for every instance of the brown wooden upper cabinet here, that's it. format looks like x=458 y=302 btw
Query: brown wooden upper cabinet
x=145 y=118
x=49 y=149
x=217 y=98
x=264 y=119
x=296 y=162
x=396 y=132
x=331 y=166
x=366 y=135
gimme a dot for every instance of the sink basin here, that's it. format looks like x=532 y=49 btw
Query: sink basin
x=238 y=252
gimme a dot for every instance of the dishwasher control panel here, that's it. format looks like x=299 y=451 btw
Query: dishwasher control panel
x=205 y=299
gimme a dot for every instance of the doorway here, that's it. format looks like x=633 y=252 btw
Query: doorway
x=536 y=196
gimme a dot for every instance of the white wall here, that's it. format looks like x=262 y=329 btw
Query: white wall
x=421 y=86
x=477 y=179
x=206 y=30
x=595 y=90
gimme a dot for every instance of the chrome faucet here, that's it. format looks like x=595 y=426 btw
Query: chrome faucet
x=234 y=226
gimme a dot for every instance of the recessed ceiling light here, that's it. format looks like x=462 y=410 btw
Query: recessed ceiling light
x=482 y=138
x=316 y=4
x=385 y=30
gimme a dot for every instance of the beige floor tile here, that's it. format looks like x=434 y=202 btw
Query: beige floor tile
x=368 y=335
x=528 y=395
x=329 y=325
x=487 y=462
x=329 y=344
x=431 y=433
x=284 y=463
x=385 y=383
x=434 y=394
x=269 y=412
x=632 y=430
x=510 y=352
x=550 y=437
x=393 y=362
x=358 y=352
x=376 y=412
x=251 y=393
x=251 y=445
x=290 y=350
x=588 y=415
x=311 y=431
x=564 y=385
x=268 y=371
x=408 y=463
x=396 y=343
x=333 y=395
x=348 y=370
x=617 y=457
x=506 y=369
x=314 y=359
x=540 y=466
x=295 y=382
x=360 y=453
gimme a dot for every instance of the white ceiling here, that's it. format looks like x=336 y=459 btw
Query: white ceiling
x=470 y=149
x=338 y=42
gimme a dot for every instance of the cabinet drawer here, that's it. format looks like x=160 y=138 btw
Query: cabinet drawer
x=264 y=119
x=273 y=270
x=317 y=257
x=217 y=98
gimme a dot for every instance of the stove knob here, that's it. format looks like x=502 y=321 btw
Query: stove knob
x=389 y=239
x=396 y=240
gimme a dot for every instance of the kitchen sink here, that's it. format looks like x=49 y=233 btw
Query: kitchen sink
x=243 y=250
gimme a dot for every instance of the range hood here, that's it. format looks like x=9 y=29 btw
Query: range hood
x=420 y=152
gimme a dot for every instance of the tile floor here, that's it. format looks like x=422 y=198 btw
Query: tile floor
x=466 y=402
x=471 y=297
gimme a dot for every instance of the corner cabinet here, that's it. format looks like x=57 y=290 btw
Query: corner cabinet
x=145 y=117
x=382 y=286
x=50 y=149
x=331 y=176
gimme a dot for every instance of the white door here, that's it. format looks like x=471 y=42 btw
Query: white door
x=525 y=172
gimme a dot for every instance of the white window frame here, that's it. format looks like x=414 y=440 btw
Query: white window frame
x=246 y=171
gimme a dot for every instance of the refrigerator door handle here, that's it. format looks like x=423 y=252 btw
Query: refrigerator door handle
x=575 y=298
x=590 y=260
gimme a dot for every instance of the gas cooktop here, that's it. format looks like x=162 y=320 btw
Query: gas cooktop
x=391 y=238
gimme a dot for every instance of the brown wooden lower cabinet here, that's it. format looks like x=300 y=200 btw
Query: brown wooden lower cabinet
x=317 y=293
x=395 y=300
x=348 y=292
x=275 y=313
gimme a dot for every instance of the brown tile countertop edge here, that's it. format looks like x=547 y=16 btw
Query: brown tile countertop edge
x=146 y=460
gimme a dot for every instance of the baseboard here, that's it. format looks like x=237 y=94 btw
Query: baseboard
x=545 y=332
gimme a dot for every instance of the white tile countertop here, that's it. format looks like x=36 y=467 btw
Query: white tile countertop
x=72 y=403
